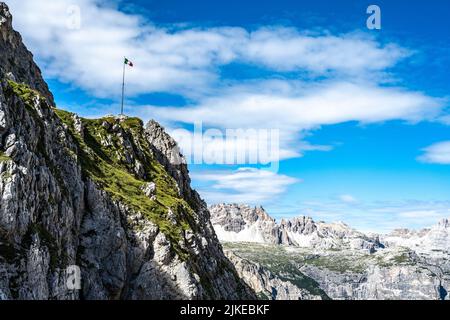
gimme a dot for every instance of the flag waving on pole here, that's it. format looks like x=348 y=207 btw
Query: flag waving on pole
x=129 y=63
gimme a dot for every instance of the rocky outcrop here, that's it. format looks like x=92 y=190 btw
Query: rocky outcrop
x=168 y=153
x=415 y=281
x=266 y=284
x=16 y=62
x=96 y=195
x=100 y=201
x=305 y=232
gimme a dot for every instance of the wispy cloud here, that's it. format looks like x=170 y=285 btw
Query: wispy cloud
x=301 y=106
x=245 y=185
x=438 y=153
x=178 y=59
x=347 y=198
x=294 y=108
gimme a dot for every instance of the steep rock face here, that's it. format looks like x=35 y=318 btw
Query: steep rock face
x=168 y=153
x=402 y=281
x=16 y=61
x=266 y=284
x=388 y=274
x=243 y=223
x=100 y=195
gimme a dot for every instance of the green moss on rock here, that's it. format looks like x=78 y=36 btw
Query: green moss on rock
x=26 y=94
x=4 y=157
x=105 y=160
x=23 y=91
x=102 y=157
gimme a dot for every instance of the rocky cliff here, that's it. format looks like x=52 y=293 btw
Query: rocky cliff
x=101 y=195
x=267 y=285
x=16 y=62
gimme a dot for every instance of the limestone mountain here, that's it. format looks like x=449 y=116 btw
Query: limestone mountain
x=242 y=223
x=100 y=194
x=434 y=240
x=304 y=259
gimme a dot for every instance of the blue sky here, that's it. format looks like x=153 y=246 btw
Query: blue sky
x=362 y=114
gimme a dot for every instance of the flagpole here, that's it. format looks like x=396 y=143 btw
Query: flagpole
x=123 y=86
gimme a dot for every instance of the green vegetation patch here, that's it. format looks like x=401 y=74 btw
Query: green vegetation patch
x=26 y=94
x=23 y=91
x=4 y=157
x=107 y=160
x=401 y=258
x=104 y=158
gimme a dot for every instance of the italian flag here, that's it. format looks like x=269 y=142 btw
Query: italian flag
x=128 y=62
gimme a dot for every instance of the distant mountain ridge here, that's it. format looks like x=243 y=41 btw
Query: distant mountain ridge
x=242 y=223
x=303 y=259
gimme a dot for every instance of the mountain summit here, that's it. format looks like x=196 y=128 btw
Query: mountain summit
x=96 y=195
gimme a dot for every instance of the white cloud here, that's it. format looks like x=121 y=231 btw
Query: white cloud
x=179 y=59
x=245 y=185
x=294 y=108
x=347 y=198
x=186 y=60
x=437 y=153
x=297 y=106
x=287 y=49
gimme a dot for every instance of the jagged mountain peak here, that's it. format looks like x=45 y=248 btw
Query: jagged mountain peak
x=241 y=223
x=236 y=223
x=332 y=260
x=16 y=62
x=244 y=211
x=5 y=16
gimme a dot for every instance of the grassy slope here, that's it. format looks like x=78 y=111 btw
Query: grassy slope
x=107 y=167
